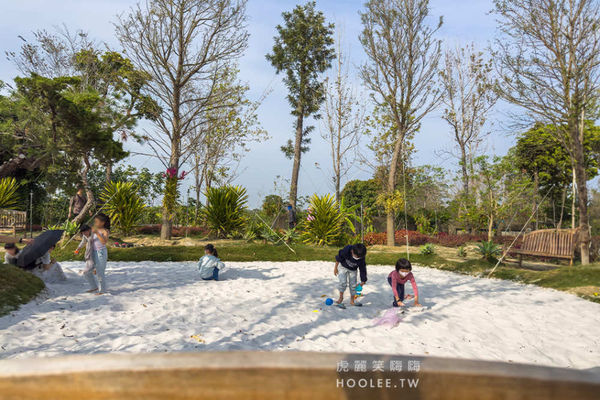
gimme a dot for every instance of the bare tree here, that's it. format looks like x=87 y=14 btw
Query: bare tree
x=548 y=57
x=182 y=45
x=229 y=128
x=344 y=119
x=401 y=72
x=51 y=54
x=468 y=96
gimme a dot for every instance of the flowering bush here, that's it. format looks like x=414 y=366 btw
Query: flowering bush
x=443 y=239
x=414 y=238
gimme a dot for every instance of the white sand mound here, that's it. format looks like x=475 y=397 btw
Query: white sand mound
x=156 y=307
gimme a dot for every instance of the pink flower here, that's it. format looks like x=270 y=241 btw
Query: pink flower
x=171 y=173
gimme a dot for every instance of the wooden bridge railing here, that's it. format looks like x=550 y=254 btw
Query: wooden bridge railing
x=285 y=375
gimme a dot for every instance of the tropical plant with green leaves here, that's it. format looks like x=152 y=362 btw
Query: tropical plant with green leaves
x=462 y=252
x=9 y=196
x=123 y=204
x=427 y=249
x=489 y=250
x=224 y=213
x=291 y=235
x=253 y=230
x=70 y=227
x=324 y=225
x=349 y=215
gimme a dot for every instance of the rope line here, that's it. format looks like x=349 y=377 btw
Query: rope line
x=519 y=234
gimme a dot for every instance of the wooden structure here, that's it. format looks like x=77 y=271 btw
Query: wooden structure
x=285 y=376
x=548 y=243
x=11 y=221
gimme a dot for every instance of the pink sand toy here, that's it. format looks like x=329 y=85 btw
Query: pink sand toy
x=390 y=318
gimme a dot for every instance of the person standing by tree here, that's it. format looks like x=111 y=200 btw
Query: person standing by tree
x=291 y=217
x=77 y=203
x=303 y=50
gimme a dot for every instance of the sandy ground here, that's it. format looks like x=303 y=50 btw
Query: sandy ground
x=159 y=307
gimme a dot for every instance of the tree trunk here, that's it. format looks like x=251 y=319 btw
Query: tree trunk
x=391 y=240
x=90 y=200
x=297 y=156
x=490 y=234
x=582 y=194
x=574 y=200
x=108 y=176
x=465 y=172
x=536 y=188
x=166 y=229
x=562 y=208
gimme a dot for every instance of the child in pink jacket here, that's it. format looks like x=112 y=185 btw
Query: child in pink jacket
x=397 y=279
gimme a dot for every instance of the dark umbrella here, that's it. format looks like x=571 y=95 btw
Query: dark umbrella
x=38 y=248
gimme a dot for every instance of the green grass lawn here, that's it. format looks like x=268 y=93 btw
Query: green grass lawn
x=583 y=281
x=17 y=287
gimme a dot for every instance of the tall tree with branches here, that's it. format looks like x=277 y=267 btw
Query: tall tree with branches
x=225 y=136
x=182 y=45
x=548 y=58
x=117 y=83
x=401 y=73
x=344 y=118
x=468 y=96
x=303 y=50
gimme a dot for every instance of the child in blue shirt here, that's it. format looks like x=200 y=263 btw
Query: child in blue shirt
x=210 y=264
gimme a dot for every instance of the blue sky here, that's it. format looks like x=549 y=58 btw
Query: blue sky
x=464 y=21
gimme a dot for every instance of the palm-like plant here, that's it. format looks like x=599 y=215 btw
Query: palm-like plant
x=123 y=205
x=70 y=227
x=224 y=213
x=325 y=225
x=9 y=198
x=489 y=250
x=427 y=249
x=349 y=216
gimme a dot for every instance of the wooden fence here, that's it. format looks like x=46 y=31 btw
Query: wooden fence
x=286 y=375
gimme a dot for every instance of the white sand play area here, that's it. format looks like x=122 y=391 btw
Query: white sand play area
x=163 y=307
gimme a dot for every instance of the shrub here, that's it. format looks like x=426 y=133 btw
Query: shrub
x=224 y=213
x=325 y=226
x=442 y=239
x=71 y=228
x=373 y=238
x=414 y=238
x=154 y=229
x=489 y=250
x=427 y=249
x=123 y=205
x=188 y=230
x=9 y=198
x=462 y=252
x=290 y=235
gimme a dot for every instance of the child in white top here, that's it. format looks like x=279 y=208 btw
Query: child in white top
x=87 y=240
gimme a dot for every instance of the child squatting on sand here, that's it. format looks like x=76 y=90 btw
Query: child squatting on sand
x=209 y=264
x=87 y=240
x=349 y=260
x=398 y=277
